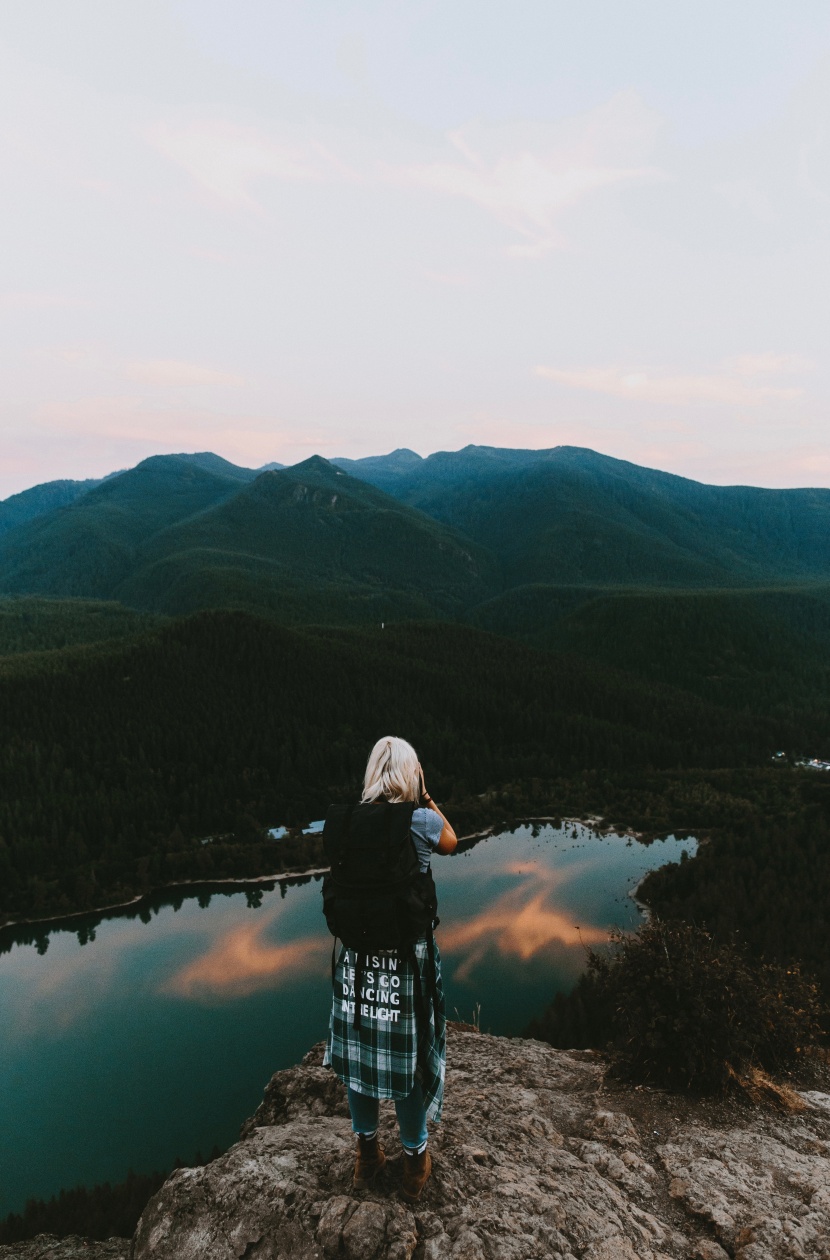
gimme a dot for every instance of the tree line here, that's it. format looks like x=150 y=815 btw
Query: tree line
x=118 y=760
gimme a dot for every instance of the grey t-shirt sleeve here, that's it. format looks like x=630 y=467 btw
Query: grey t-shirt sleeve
x=426 y=832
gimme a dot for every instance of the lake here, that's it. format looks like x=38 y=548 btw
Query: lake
x=151 y=1035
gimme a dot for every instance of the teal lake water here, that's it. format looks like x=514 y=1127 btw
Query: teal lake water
x=156 y=1038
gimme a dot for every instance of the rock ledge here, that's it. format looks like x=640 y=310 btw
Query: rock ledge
x=537 y=1156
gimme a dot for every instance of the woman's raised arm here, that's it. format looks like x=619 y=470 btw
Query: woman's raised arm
x=448 y=839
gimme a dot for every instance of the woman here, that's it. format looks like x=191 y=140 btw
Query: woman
x=387 y=1032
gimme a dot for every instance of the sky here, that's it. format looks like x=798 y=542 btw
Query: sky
x=274 y=228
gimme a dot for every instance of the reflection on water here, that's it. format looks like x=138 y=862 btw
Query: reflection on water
x=138 y=1037
x=240 y=961
x=522 y=922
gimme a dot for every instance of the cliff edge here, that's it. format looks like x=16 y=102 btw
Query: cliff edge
x=539 y=1155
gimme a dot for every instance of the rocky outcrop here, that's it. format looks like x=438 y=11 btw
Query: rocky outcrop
x=538 y=1155
x=47 y=1247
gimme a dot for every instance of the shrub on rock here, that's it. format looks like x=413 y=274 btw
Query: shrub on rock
x=680 y=1009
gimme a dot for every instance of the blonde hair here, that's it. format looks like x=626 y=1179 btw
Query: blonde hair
x=392 y=772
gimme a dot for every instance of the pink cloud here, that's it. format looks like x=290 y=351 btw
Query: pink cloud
x=645 y=385
x=241 y=962
x=226 y=159
x=38 y=300
x=526 y=178
x=178 y=372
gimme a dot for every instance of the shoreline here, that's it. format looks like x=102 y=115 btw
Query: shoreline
x=645 y=910
x=226 y=882
x=594 y=823
x=285 y=876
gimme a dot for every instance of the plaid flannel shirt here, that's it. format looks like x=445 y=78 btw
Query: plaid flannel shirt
x=380 y=1058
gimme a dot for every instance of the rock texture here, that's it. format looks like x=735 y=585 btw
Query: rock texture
x=47 y=1247
x=538 y=1155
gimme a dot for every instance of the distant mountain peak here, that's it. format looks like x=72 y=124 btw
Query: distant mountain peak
x=206 y=461
x=314 y=464
x=400 y=455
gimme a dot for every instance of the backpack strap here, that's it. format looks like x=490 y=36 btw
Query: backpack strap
x=344 y=830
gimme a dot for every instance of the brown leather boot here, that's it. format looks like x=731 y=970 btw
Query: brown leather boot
x=416 y=1171
x=370 y=1161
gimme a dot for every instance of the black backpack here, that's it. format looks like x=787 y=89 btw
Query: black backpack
x=375 y=896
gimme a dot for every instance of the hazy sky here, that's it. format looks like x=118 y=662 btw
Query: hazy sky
x=270 y=228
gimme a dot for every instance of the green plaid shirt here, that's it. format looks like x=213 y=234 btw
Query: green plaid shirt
x=380 y=1058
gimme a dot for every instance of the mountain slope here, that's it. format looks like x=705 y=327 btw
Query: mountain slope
x=310 y=543
x=21 y=508
x=758 y=650
x=569 y=515
x=208 y=462
x=29 y=623
x=91 y=545
x=383 y=471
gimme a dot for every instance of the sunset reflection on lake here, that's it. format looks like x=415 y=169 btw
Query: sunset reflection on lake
x=156 y=1038
x=241 y=960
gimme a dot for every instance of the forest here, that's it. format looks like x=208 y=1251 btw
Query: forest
x=119 y=760
x=103 y=1211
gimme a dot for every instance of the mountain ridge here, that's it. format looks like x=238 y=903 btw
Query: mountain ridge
x=187 y=531
x=176 y=534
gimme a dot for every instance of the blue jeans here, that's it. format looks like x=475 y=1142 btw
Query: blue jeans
x=411 y=1113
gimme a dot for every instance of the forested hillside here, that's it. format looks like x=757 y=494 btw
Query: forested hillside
x=571 y=515
x=765 y=651
x=310 y=543
x=87 y=548
x=307 y=544
x=21 y=508
x=399 y=537
x=117 y=759
x=767 y=881
x=31 y=624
